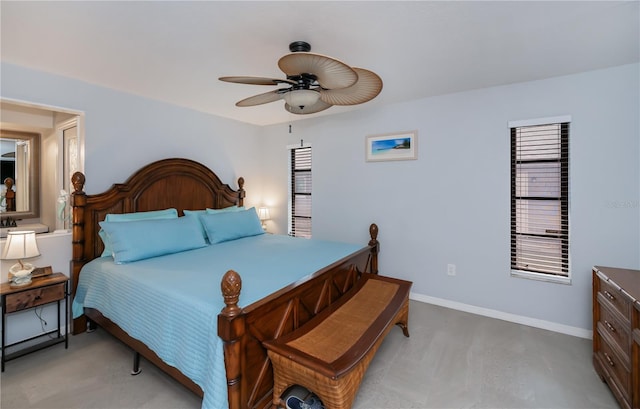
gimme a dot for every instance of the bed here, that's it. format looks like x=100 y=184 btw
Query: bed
x=245 y=318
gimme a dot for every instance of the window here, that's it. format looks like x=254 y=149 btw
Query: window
x=540 y=199
x=300 y=192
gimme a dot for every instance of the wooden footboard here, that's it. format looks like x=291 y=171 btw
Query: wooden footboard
x=249 y=371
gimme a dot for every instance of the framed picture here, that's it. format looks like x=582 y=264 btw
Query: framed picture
x=395 y=146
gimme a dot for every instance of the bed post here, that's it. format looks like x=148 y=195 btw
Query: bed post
x=240 y=191
x=78 y=202
x=231 y=329
x=375 y=247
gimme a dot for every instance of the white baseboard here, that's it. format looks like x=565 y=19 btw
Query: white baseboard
x=518 y=319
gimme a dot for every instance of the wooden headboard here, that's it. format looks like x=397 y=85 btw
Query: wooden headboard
x=179 y=183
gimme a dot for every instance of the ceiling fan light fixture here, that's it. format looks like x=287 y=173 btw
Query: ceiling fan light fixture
x=302 y=98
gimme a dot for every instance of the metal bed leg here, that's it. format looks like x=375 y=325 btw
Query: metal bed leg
x=91 y=326
x=136 y=364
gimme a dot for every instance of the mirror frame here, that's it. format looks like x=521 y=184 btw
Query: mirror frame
x=34 y=176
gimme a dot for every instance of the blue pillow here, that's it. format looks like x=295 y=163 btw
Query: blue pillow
x=225 y=209
x=154 y=214
x=197 y=213
x=225 y=226
x=127 y=217
x=141 y=239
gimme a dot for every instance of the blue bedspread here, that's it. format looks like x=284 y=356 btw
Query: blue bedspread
x=171 y=302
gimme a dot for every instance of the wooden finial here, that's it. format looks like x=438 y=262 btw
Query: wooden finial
x=10 y=195
x=373 y=232
x=375 y=247
x=231 y=286
x=77 y=180
x=8 y=182
x=241 y=192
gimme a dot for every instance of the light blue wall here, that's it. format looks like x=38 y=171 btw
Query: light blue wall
x=125 y=132
x=452 y=204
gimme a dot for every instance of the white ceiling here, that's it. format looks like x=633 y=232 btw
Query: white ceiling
x=174 y=51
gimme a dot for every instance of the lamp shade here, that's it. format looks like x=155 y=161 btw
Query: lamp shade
x=302 y=98
x=19 y=245
x=263 y=213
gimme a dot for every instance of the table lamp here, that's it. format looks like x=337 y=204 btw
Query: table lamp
x=20 y=245
x=263 y=214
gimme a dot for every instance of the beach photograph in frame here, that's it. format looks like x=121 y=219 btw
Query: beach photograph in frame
x=395 y=146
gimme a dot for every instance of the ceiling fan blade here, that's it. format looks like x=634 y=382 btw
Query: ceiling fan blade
x=329 y=72
x=317 y=107
x=260 y=99
x=366 y=88
x=256 y=80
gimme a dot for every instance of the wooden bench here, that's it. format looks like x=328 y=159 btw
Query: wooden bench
x=330 y=354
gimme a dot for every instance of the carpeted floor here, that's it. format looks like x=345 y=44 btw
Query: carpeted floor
x=452 y=360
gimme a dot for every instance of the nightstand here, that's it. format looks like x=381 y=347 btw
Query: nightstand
x=42 y=290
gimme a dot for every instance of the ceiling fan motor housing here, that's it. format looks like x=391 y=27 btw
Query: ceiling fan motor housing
x=304 y=80
x=298 y=46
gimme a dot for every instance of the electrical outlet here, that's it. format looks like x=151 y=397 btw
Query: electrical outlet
x=451 y=269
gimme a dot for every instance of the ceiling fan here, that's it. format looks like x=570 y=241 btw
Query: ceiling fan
x=313 y=83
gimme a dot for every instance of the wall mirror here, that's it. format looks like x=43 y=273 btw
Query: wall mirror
x=19 y=161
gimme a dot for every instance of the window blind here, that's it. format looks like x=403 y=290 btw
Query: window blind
x=540 y=199
x=301 y=192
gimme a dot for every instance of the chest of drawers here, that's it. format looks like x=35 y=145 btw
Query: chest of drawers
x=616 y=332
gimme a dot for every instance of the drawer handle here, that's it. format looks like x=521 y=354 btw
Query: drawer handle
x=609 y=326
x=609 y=295
x=38 y=298
x=609 y=360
